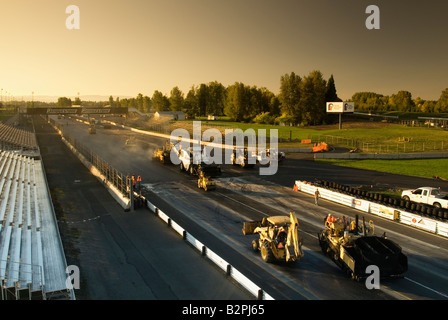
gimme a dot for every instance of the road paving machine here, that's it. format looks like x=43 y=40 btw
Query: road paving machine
x=353 y=248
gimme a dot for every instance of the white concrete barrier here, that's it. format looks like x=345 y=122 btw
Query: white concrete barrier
x=245 y=282
x=124 y=202
x=391 y=213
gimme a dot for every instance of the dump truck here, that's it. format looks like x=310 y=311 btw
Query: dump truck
x=206 y=183
x=163 y=153
x=353 y=248
x=278 y=238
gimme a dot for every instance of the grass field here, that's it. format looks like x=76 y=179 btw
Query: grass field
x=427 y=168
x=365 y=136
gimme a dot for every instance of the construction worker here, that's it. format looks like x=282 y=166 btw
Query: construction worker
x=352 y=226
x=133 y=182
x=329 y=219
x=316 y=197
x=139 y=182
x=344 y=221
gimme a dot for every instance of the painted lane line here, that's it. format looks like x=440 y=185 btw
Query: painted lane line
x=426 y=287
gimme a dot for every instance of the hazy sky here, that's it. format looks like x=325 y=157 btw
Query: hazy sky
x=137 y=46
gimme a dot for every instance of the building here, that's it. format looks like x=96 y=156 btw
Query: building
x=170 y=115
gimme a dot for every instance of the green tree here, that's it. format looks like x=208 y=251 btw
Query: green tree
x=312 y=104
x=330 y=94
x=64 y=102
x=237 y=102
x=77 y=101
x=216 y=95
x=159 y=101
x=139 y=102
x=402 y=101
x=370 y=101
x=176 y=99
x=146 y=104
x=111 y=101
x=442 y=104
x=290 y=95
x=202 y=96
x=191 y=103
x=274 y=104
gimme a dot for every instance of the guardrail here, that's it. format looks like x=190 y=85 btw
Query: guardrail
x=116 y=183
x=230 y=270
x=400 y=215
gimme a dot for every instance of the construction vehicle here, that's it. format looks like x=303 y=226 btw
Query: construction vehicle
x=264 y=156
x=206 y=183
x=130 y=142
x=353 y=248
x=279 y=239
x=243 y=157
x=163 y=154
x=92 y=126
x=197 y=165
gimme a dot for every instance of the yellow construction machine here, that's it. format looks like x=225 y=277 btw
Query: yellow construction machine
x=205 y=182
x=92 y=126
x=163 y=153
x=353 y=248
x=279 y=239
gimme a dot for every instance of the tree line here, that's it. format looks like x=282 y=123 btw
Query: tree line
x=300 y=101
x=401 y=101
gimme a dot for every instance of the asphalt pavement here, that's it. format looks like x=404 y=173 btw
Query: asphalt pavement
x=122 y=255
x=245 y=194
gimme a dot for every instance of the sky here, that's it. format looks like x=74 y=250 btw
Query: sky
x=123 y=48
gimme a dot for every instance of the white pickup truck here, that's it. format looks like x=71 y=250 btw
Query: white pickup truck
x=427 y=195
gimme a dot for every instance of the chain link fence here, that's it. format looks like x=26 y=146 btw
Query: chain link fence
x=119 y=180
x=403 y=145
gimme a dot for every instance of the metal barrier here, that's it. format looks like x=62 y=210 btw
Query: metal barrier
x=231 y=271
x=116 y=181
x=385 y=211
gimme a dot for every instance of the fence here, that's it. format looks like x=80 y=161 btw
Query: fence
x=120 y=181
x=434 y=220
x=230 y=270
x=403 y=145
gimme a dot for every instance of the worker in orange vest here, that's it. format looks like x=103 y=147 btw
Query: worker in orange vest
x=139 y=182
x=133 y=182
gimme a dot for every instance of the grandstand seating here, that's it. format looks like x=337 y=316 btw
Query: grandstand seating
x=12 y=138
x=32 y=262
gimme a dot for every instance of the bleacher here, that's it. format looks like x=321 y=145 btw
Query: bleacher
x=32 y=260
x=13 y=138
